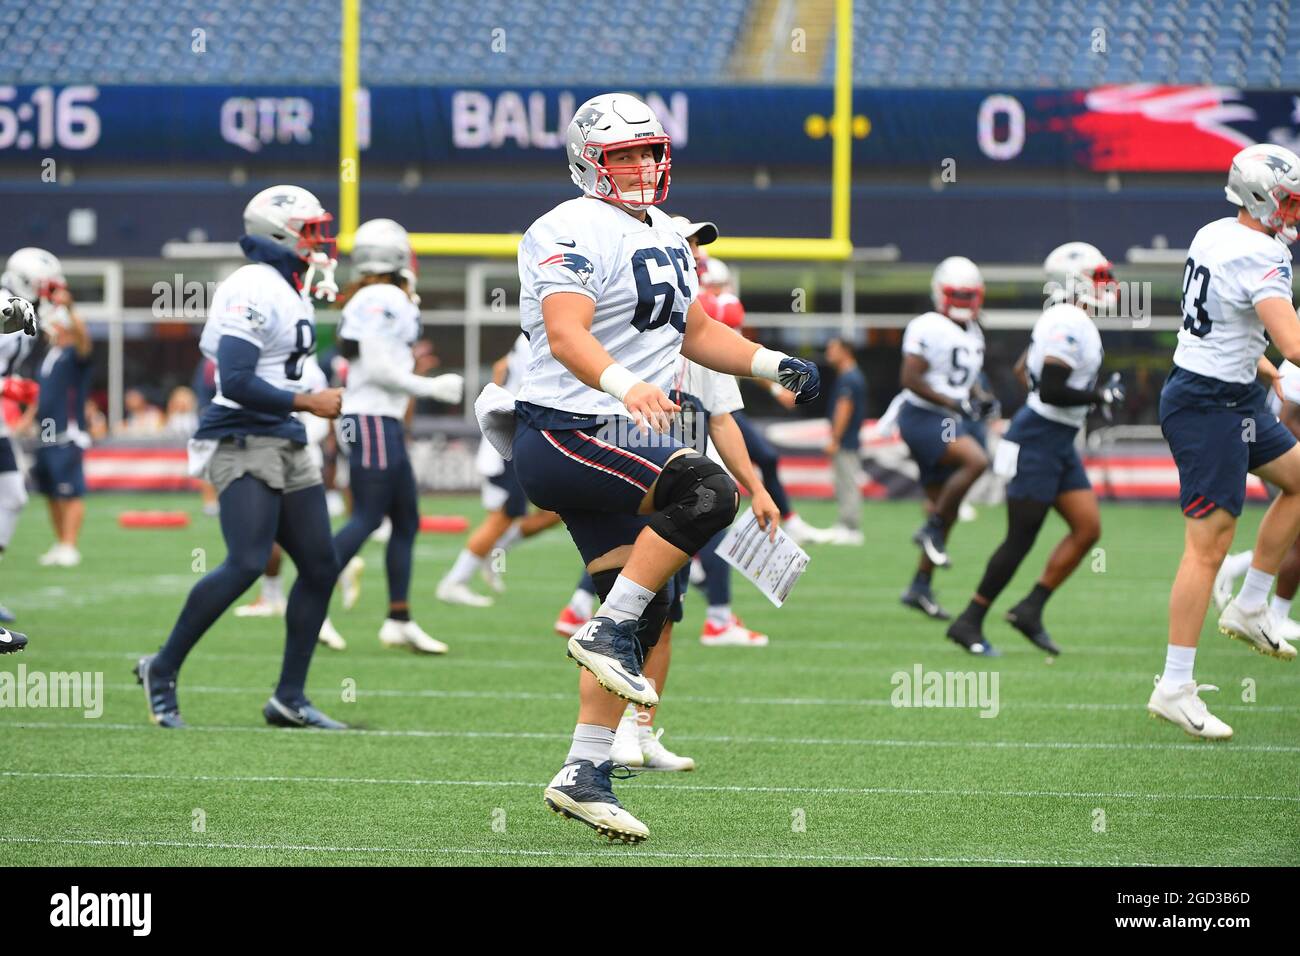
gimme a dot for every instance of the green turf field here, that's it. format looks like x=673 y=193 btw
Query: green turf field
x=802 y=758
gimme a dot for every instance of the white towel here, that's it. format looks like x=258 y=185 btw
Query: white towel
x=495 y=410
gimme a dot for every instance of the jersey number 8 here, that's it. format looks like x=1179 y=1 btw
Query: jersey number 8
x=304 y=344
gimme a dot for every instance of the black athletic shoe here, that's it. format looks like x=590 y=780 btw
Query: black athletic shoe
x=1029 y=622
x=279 y=714
x=971 y=638
x=160 y=693
x=582 y=791
x=11 y=642
x=923 y=600
x=612 y=653
x=930 y=540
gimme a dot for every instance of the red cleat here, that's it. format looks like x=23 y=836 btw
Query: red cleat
x=568 y=622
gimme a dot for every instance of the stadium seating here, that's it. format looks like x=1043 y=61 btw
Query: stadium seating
x=908 y=43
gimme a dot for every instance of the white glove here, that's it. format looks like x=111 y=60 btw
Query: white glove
x=449 y=388
x=1290 y=376
x=18 y=316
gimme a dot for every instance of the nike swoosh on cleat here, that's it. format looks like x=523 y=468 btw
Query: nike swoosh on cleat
x=1194 y=724
x=1268 y=640
x=5 y=638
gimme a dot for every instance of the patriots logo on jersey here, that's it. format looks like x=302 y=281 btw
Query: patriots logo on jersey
x=579 y=265
x=255 y=319
x=1284 y=271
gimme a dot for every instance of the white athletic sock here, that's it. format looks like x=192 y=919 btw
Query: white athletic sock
x=8 y=521
x=719 y=615
x=590 y=742
x=626 y=602
x=467 y=562
x=514 y=534
x=1280 y=606
x=582 y=603
x=1238 y=564
x=1254 y=590
x=1178 y=667
x=272 y=589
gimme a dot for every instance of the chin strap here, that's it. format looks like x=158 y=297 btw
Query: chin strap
x=327 y=288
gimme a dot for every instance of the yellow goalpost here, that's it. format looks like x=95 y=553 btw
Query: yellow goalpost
x=836 y=246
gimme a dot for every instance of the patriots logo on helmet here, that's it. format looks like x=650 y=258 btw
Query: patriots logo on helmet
x=587 y=119
x=1278 y=164
x=579 y=265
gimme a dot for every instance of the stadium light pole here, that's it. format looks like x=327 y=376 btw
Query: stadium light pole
x=349 y=155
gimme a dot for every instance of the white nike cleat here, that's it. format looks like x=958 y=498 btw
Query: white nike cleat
x=627 y=748
x=1185 y=708
x=1224 y=584
x=801 y=532
x=409 y=634
x=966 y=512
x=490 y=577
x=839 y=534
x=350 y=582
x=1287 y=628
x=1257 y=628
x=655 y=756
x=385 y=531
x=261 y=608
x=453 y=592
x=68 y=557
x=330 y=637
x=51 y=557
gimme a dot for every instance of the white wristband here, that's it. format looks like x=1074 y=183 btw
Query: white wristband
x=617 y=381
x=767 y=364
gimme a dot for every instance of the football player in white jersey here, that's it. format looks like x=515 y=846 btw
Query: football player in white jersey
x=507 y=521
x=1236 y=298
x=943 y=355
x=260 y=331
x=270 y=601
x=1038 y=456
x=607 y=301
x=28 y=277
x=380 y=324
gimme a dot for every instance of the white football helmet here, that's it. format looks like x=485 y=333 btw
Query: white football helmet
x=291 y=217
x=1078 y=273
x=33 y=274
x=382 y=247
x=614 y=121
x=957 y=288
x=716 y=273
x=1265 y=181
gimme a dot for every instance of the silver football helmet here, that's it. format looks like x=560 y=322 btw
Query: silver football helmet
x=383 y=247
x=291 y=217
x=1265 y=181
x=610 y=122
x=1078 y=273
x=957 y=288
x=33 y=274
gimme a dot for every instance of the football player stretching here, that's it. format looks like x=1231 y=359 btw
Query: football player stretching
x=1236 y=299
x=260 y=330
x=607 y=302
x=27 y=274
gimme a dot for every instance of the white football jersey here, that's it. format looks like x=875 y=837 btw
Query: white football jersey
x=14 y=348
x=1229 y=268
x=701 y=392
x=1064 y=332
x=640 y=275
x=954 y=352
x=384 y=316
x=256 y=304
x=517 y=359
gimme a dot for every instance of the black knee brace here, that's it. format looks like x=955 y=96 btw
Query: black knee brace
x=695 y=498
x=653 y=617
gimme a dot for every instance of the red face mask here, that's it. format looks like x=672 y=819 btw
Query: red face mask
x=657 y=173
x=314 y=235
